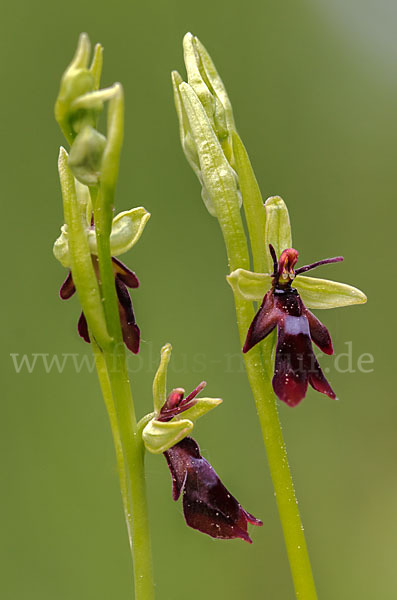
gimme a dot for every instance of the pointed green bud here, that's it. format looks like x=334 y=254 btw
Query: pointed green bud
x=159 y=436
x=160 y=379
x=218 y=179
x=277 y=228
x=76 y=81
x=323 y=293
x=96 y=65
x=204 y=79
x=187 y=142
x=202 y=406
x=215 y=82
x=250 y=286
x=195 y=74
x=85 y=155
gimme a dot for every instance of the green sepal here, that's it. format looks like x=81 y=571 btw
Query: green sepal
x=277 y=228
x=127 y=228
x=249 y=285
x=323 y=293
x=160 y=379
x=159 y=436
x=201 y=408
x=85 y=155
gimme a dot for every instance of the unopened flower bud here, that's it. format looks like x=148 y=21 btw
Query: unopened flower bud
x=78 y=79
x=86 y=155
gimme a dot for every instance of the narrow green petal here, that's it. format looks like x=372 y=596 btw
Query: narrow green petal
x=323 y=293
x=278 y=228
x=201 y=408
x=249 y=285
x=159 y=437
x=160 y=379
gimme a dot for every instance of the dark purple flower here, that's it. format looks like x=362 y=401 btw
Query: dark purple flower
x=296 y=365
x=207 y=504
x=124 y=278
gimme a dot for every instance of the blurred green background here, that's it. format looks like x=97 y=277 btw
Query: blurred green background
x=314 y=91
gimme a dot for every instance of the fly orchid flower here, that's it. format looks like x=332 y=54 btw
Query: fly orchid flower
x=127 y=227
x=207 y=504
x=286 y=308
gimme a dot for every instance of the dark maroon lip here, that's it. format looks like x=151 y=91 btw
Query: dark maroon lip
x=282 y=309
x=207 y=504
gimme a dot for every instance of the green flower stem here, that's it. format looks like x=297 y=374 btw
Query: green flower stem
x=133 y=475
x=259 y=376
x=130 y=465
x=266 y=407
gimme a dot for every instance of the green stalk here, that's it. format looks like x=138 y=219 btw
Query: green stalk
x=259 y=368
x=220 y=184
x=133 y=474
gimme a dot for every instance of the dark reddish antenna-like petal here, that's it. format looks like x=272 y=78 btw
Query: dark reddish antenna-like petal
x=264 y=322
x=122 y=272
x=82 y=328
x=274 y=259
x=325 y=261
x=207 y=504
x=67 y=288
x=319 y=333
x=131 y=333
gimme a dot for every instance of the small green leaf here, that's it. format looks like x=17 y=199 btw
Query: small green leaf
x=201 y=408
x=159 y=436
x=277 y=229
x=323 y=293
x=160 y=379
x=249 y=285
